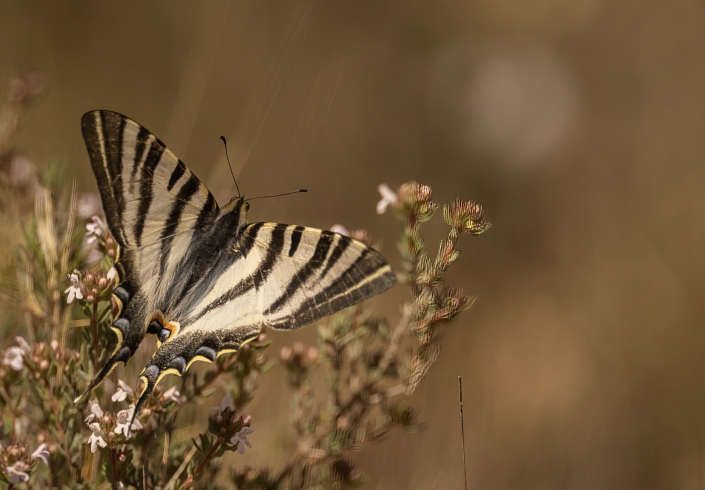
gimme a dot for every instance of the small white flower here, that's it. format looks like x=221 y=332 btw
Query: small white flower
x=41 y=454
x=13 y=358
x=96 y=438
x=88 y=205
x=123 y=391
x=24 y=346
x=14 y=355
x=226 y=402
x=241 y=439
x=340 y=229
x=172 y=394
x=112 y=275
x=389 y=197
x=94 y=229
x=17 y=472
x=123 y=419
x=96 y=412
x=74 y=290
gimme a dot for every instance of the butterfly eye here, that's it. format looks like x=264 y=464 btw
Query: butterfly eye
x=247 y=206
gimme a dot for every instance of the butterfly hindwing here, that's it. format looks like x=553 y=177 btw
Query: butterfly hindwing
x=281 y=276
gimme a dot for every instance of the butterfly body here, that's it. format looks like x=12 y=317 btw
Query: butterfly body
x=199 y=276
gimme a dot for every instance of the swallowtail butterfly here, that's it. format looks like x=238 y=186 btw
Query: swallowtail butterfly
x=198 y=276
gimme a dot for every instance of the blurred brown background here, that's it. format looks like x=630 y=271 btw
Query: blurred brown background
x=578 y=124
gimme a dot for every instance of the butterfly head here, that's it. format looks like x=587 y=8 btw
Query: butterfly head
x=239 y=206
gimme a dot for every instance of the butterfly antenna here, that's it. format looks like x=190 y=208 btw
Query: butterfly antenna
x=277 y=195
x=225 y=143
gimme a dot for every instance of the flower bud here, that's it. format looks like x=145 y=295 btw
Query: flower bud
x=109 y=241
x=102 y=283
x=299 y=349
x=285 y=354
x=88 y=279
x=312 y=354
x=122 y=458
x=246 y=419
x=262 y=337
x=43 y=365
x=111 y=253
x=90 y=298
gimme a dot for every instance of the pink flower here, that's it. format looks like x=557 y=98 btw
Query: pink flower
x=41 y=454
x=241 y=439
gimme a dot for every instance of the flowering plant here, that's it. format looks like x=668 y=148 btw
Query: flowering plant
x=60 y=295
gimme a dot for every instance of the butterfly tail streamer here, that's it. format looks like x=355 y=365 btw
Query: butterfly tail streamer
x=149 y=377
x=122 y=354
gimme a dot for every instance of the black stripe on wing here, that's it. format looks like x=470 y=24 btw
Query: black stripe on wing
x=302 y=275
x=367 y=276
x=172 y=222
x=142 y=139
x=95 y=127
x=256 y=278
x=178 y=172
x=295 y=239
x=147 y=187
x=276 y=244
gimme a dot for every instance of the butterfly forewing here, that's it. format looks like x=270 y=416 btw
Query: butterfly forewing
x=155 y=207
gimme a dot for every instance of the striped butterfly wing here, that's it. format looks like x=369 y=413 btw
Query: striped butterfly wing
x=156 y=209
x=281 y=276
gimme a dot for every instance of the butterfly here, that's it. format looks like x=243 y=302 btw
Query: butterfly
x=198 y=276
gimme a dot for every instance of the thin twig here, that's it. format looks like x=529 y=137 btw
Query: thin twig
x=203 y=464
x=94 y=329
x=181 y=469
x=462 y=430
x=113 y=468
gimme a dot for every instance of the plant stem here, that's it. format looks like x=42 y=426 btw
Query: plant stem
x=203 y=464
x=59 y=425
x=113 y=468
x=205 y=385
x=94 y=328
